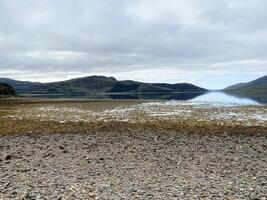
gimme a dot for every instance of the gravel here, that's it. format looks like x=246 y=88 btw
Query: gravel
x=133 y=164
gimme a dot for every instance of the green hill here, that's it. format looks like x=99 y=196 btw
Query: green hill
x=97 y=84
x=256 y=86
x=6 y=89
x=91 y=84
x=134 y=86
x=21 y=86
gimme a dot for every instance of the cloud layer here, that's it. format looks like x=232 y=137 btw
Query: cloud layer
x=152 y=40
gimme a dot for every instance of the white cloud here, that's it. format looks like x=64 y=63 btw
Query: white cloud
x=55 y=55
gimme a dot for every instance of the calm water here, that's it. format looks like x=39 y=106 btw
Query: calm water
x=220 y=97
x=209 y=97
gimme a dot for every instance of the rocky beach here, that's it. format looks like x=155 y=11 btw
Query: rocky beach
x=73 y=149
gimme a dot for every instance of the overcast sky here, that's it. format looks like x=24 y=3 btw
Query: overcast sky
x=209 y=43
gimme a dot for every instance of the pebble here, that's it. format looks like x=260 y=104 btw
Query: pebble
x=133 y=165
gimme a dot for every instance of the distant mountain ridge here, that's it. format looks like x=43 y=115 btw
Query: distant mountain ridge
x=97 y=84
x=257 y=86
x=256 y=90
x=6 y=89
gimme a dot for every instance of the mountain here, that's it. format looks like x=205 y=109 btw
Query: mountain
x=134 y=86
x=256 y=86
x=79 y=85
x=97 y=84
x=6 y=89
x=21 y=86
x=91 y=84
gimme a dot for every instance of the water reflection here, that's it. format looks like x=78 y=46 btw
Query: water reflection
x=256 y=97
x=148 y=95
x=225 y=98
x=209 y=97
x=157 y=96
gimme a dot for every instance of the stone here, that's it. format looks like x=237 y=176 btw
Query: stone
x=92 y=194
x=8 y=157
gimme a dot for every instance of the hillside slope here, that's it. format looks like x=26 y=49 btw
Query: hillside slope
x=97 y=84
x=21 y=86
x=256 y=86
x=6 y=89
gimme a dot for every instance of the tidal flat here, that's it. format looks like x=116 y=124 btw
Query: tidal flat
x=131 y=149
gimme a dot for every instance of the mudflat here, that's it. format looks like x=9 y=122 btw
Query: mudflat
x=66 y=149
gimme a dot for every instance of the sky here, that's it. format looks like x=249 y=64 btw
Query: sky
x=209 y=43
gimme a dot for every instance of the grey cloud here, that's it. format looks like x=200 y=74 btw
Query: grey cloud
x=116 y=36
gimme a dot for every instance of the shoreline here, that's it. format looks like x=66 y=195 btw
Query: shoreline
x=74 y=116
x=131 y=150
